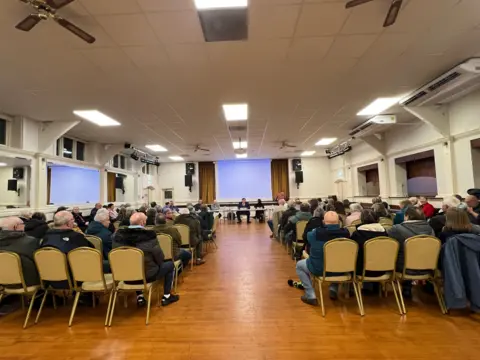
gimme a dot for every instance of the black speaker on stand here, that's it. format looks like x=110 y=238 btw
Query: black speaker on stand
x=12 y=186
x=189 y=181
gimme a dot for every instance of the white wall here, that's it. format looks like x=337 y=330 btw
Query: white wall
x=316 y=179
x=11 y=197
x=172 y=176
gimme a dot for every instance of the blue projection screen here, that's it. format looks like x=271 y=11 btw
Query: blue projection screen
x=72 y=185
x=249 y=179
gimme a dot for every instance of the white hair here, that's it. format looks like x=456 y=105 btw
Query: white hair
x=291 y=203
x=356 y=207
x=62 y=218
x=413 y=200
x=281 y=202
x=451 y=202
x=102 y=215
x=184 y=211
x=26 y=213
x=9 y=223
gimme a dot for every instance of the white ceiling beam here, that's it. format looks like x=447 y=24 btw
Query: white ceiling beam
x=50 y=132
x=109 y=151
x=434 y=116
x=375 y=142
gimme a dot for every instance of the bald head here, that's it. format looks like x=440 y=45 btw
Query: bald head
x=281 y=202
x=331 y=218
x=472 y=201
x=138 y=218
x=63 y=220
x=11 y=223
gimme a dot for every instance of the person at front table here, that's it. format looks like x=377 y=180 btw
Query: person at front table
x=197 y=206
x=260 y=211
x=243 y=205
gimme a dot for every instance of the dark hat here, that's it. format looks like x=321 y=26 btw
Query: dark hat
x=61 y=208
x=474 y=192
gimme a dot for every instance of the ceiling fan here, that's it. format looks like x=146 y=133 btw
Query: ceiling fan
x=285 y=144
x=46 y=9
x=199 y=148
x=392 y=12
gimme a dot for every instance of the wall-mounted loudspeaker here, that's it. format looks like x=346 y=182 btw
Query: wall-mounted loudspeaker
x=299 y=177
x=188 y=180
x=297 y=164
x=12 y=185
x=119 y=182
x=18 y=173
x=190 y=168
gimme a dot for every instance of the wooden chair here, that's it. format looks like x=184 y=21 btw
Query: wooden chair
x=340 y=256
x=96 y=241
x=88 y=277
x=11 y=274
x=421 y=253
x=127 y=264
x=299 y=229
x=380 y=254
x=166 y=243
x=52 y=265
x=184 y=231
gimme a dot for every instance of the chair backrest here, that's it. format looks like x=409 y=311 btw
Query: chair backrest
x=127 y=264
x=149 y=227
x=300 y=228
x=277 y=216
x=52 y=265
x=86 y=264
x=356 y=222
x=11 y=269
x=380 y=254
x=96 y=241
x=387 y=226
x=340 y=256
x=166 y=243
x=184 y=231
x=351 y=229
x=421 y=252
x=215 y=223
x=116 y=225
x=385 y=221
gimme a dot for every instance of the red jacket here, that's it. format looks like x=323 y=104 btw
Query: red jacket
x=428 y=210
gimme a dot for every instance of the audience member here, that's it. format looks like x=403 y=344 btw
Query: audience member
x=380 y=211
x=291 y=210
x=260 y=211
x=169 y=216
x=313 y=205
x=37 y=226
x=143 y=209
x=457 y=222
x=79 y=219
x=122 y=215
x=426 y=207
x=25 y=215
x=377 y=200
x=346 y=204
x=186 y=218
x=94 y=210
x=298 y=202
x=290 y=229
x=413 y=200
x=111 y=211
x=314 y=264
x=173 y=207
x=151 y=213
x=99 y=227
x=355 y=214
x=14 y=239
x=280 y=196
x=215 y=206
x=340 y=210
x=161 y=227
x=279 y=208
x=315 y=222
x=473 y=208
x=197 y=206
x=246 y=206
x=438 y=221
x=400 y=216
x=155 y=267
x=202 y=216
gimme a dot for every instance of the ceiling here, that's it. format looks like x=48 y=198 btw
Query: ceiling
x=308 y=67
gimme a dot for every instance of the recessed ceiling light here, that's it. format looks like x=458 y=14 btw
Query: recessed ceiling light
x=218 y=4
x=235 y=112
x=157 y=148
x=96 y=117
x=176 y=158
x=3 y=164
x=241 y=156
x=240 y=145
x=307 y=153
x=325 y=141
x=379 y=105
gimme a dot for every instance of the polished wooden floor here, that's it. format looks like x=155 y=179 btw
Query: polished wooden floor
x=238 y=306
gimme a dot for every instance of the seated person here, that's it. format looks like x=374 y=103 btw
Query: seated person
x=173 y=207
x=260 y=211
x=246 y=206
x=215 y=206
x=314 y=264
x=77 y=215
x=197 y=206
x=25 y=215
x=205 y=222
x=279 y=207
x=426 y=207
x=155 y=266
x=380 y=211
x=196 y=240
x=400 y=216
x=161 y=227
x=99 y=227
x=438 y=221
x=94 y=210
x=37 y=226
x=111 y=211
x=457 y=222
x=291 y=229
x=14 y=239
x=473 y=209
x=315 y=222
x=169 y=216
x=287 y=214
x=340 y=210
x=151 y=214
x=355 y=213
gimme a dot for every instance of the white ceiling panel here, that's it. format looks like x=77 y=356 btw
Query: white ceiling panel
x=307 y=49
x=148 y=56
x=176 y=26
x=353 y=46
x=321 y=19
x=111 y=7
x=273 y=21
x=128 y=29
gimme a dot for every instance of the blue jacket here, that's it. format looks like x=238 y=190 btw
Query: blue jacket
x=461 y=271
x=317 y=239
x=97 y=229
x=241 y=206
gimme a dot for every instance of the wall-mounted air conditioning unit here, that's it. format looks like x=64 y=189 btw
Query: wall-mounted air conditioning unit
x=452 y=85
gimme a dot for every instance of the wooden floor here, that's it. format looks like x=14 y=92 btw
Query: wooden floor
x=239 y=306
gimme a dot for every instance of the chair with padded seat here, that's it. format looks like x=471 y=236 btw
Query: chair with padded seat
x=351 y=229
x=166 y=244
x=385 y=221
x=184 y=231
x=95 y=241
x=86 y=265
x=356 y=222
x=299 y=230
x=11 y=277
x=127 y=264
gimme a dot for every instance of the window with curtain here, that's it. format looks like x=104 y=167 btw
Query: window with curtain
x=206 y=181
x=279 y=174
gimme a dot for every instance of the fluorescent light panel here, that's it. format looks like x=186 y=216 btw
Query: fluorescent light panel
x=379 y=105
x=235 y=112
x=157 y=148
x=3 y=164
x=241 y=156
x=325 y=141
x=220 y=4
x=96 y=117
x=240 y=145
x=176 y=158
x=307 y=153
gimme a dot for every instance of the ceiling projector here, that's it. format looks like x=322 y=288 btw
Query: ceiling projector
x=240 y=151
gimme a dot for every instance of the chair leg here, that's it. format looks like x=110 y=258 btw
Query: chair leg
x=74 y=308
x=359 y=301
x=108 y=308
x=54 y=301
x=23 y=302
x=112 y=310
x=360 y=293
x=176 y=277
x=148 y=304
x=1 y=297
x=192 y=250
x=32 y=300
x=41 y=306
x=93 y=300
x=399 y=286
x=439 y=297
x=321 y=298
x=400 y=310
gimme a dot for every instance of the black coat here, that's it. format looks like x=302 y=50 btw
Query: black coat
x=313 y=223
x=286 y=215
x=65 y=240
x=36 y=228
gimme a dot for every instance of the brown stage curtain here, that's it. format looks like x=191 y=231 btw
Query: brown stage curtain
x=280 y=177
x=111 y=192
x=49 y=183
x=206 y=181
